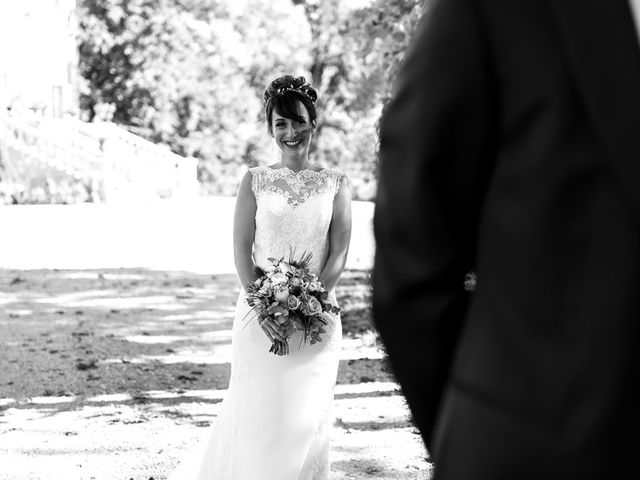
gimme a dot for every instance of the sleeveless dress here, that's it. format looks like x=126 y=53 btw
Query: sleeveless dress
x=275 y=420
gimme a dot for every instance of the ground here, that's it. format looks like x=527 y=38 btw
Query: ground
x=114 y=373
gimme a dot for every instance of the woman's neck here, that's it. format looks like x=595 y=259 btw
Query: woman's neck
x=295 y=164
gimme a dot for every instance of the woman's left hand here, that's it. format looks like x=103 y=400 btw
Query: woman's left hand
x=279 y=347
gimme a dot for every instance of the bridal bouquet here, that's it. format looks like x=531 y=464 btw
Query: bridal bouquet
x=294 y=298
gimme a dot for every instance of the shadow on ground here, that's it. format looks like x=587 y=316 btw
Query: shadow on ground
x=143 y=355
x=93 y=332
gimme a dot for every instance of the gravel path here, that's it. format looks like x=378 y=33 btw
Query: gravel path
x=115 y=373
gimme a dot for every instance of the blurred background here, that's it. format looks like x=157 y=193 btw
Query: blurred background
x=116 y=100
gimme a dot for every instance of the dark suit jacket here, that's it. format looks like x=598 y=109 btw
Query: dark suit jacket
x=512 y=149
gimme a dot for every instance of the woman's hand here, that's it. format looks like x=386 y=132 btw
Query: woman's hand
x=280 y=348
x=278 y=333
x=273 y=331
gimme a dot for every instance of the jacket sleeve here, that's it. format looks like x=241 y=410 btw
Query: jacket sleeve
x=436 y=153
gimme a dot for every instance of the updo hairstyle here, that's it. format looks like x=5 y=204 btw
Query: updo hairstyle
x=282 y=96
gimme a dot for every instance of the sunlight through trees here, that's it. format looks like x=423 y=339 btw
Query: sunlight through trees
x=190 y=74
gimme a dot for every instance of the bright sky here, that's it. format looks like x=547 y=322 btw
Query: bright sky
x=25 y=57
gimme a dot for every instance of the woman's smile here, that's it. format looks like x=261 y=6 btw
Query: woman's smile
x=292 y=143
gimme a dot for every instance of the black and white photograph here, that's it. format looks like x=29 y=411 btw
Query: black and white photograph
x=319 y=239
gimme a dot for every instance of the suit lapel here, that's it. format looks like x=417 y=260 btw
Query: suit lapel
x=603 y=48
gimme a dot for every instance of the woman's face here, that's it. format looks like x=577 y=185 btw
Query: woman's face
x=292 y=137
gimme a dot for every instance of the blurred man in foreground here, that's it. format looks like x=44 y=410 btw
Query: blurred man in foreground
x=512 y=149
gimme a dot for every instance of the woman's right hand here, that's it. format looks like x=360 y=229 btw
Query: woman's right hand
x=272 y=330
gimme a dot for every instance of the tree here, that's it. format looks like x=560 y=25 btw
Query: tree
x=190 y=74
x=355 y=56
x=187 y=73
x=383 y=32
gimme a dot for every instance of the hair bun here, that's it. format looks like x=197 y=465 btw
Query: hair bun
x=289 y=83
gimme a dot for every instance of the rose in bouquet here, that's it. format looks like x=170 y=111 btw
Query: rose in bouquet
x=293 y=297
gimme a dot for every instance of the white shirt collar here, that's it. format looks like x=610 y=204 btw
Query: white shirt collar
x=635 y=9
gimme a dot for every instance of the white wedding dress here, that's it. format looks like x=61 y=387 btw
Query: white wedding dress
x=275 y=420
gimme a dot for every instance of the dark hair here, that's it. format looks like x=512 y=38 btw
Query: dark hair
x=282 y=96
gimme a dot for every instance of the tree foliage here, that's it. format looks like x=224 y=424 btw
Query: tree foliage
x=190 y=73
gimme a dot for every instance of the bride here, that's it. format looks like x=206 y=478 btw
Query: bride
x=274 y=422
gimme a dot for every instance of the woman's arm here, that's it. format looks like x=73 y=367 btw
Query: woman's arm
x=339 y=236
x=244 y=227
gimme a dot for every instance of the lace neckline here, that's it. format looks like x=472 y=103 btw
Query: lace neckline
x=293 y=172
x=296 y=187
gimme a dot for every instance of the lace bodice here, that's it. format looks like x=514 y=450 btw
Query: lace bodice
x=294 y=211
